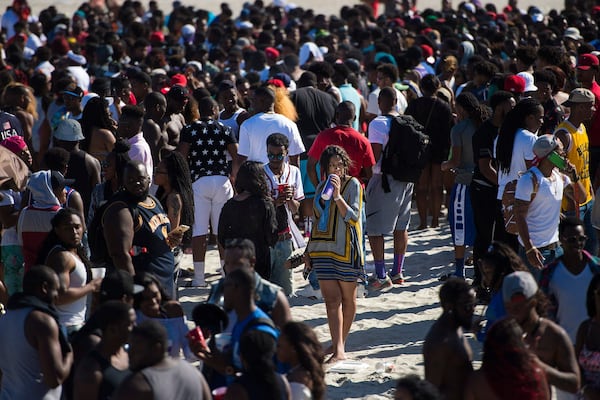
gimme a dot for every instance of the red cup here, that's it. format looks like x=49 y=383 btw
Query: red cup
x=219 y=393
x=281 y=188
x=196 y=336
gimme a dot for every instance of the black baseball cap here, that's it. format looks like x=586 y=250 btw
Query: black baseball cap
x=118 y=283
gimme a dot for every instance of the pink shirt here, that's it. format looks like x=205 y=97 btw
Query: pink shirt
x=140 y=151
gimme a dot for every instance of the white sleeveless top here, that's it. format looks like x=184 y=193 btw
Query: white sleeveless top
x=73 y=314
x=232 y=122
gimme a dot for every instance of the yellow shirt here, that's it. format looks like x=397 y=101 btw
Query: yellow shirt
x=578 y=154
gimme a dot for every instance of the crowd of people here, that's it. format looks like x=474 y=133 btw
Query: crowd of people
x=130 y=136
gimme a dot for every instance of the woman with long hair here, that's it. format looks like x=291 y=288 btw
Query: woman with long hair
x=587 y=343
x=98 y=129
x=514 y=146
x=62 y=251
x=460 y=213
x=250 y=214
x=259 y=380
x=499 y=261
x=299 y=347
x=172 y=175
x=509 y=369
x=19 y=100
x=335 y=250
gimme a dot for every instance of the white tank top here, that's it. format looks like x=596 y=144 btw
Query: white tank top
x=232 y=122
x=73 y=314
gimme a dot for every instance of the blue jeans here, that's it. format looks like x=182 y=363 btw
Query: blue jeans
x=549 y=256
x=585 y=214
x=280 y=275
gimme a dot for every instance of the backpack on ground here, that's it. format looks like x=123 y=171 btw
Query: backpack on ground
x=508 y=202
x=98 y=249
x=407 y=151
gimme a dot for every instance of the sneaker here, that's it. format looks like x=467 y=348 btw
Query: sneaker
x=379 y=284
x=397 y=279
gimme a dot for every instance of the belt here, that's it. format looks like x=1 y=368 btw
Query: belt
x=284 y=236
x=551 y=246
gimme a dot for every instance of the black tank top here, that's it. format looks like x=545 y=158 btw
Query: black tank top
x=111 y=377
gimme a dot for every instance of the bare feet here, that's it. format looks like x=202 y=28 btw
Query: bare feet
x=421 y=227
x=335 y=358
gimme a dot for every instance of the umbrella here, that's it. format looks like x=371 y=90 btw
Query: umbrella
x=12 y=168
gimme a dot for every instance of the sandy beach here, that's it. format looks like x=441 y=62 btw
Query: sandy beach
x=390 y=326
x=327 y=8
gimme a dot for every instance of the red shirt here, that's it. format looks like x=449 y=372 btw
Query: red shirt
x=594 y=131
x=356 y=145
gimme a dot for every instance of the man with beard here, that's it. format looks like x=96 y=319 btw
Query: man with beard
x=136 y=229
x=446 y=352
x=548 y=341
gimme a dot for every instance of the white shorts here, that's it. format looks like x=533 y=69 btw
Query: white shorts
x=210 y=194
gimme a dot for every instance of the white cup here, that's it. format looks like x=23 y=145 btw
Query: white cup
x=98 y=273
x=222 y=340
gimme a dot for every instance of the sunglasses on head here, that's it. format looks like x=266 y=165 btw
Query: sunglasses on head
x=277 y=157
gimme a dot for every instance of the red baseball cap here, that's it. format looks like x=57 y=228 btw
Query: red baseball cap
x=272 y=52
x=514 y=84
x=157 y=37
x=179 y=79
x=587 y=61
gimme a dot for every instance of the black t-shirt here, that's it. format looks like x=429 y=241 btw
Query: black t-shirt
x=208 y=141
x=436 y=116
x=9 y=126
x=483 y=147
x=316 y=111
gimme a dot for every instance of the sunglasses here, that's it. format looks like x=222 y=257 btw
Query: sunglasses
x=276 y=157
x=576 y=239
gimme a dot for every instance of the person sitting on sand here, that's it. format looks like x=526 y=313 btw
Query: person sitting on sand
x=446 y=352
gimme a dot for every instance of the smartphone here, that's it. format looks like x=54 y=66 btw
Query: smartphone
x=557 y=160
x=181 y=228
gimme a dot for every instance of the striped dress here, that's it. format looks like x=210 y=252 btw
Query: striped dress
x=335 y=246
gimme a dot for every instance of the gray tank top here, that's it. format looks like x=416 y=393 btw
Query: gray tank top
x=179 y=381
x=22 y=376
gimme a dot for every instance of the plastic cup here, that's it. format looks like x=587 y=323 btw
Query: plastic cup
x=98 y=273
x=219 y=393
x=222 y=340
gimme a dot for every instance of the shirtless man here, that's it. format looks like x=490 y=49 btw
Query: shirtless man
x=446 y=352
x=153 y=127
x=548 y=341
x=173 y=119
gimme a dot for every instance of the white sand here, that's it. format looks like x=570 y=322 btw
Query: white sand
x=328 y=7
x=390 y=326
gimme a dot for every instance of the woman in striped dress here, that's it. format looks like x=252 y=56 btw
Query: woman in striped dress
x=335 y=248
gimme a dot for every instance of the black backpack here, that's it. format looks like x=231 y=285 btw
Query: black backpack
x=407 y=151
x=98 y=248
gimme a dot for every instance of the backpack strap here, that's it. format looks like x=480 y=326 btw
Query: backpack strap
x=536 y=185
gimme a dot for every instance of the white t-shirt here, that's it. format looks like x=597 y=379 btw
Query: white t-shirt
x=373 y=106
x=379 y=132
x=543 y=214
x=10 y=198
x=290 y=175
x=256 y=129
x=570 y=292
x=522 y=151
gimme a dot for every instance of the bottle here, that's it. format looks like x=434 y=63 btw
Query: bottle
x=327 y=189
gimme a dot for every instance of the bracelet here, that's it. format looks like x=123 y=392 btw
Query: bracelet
x=530 y=250
x=337 y=198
